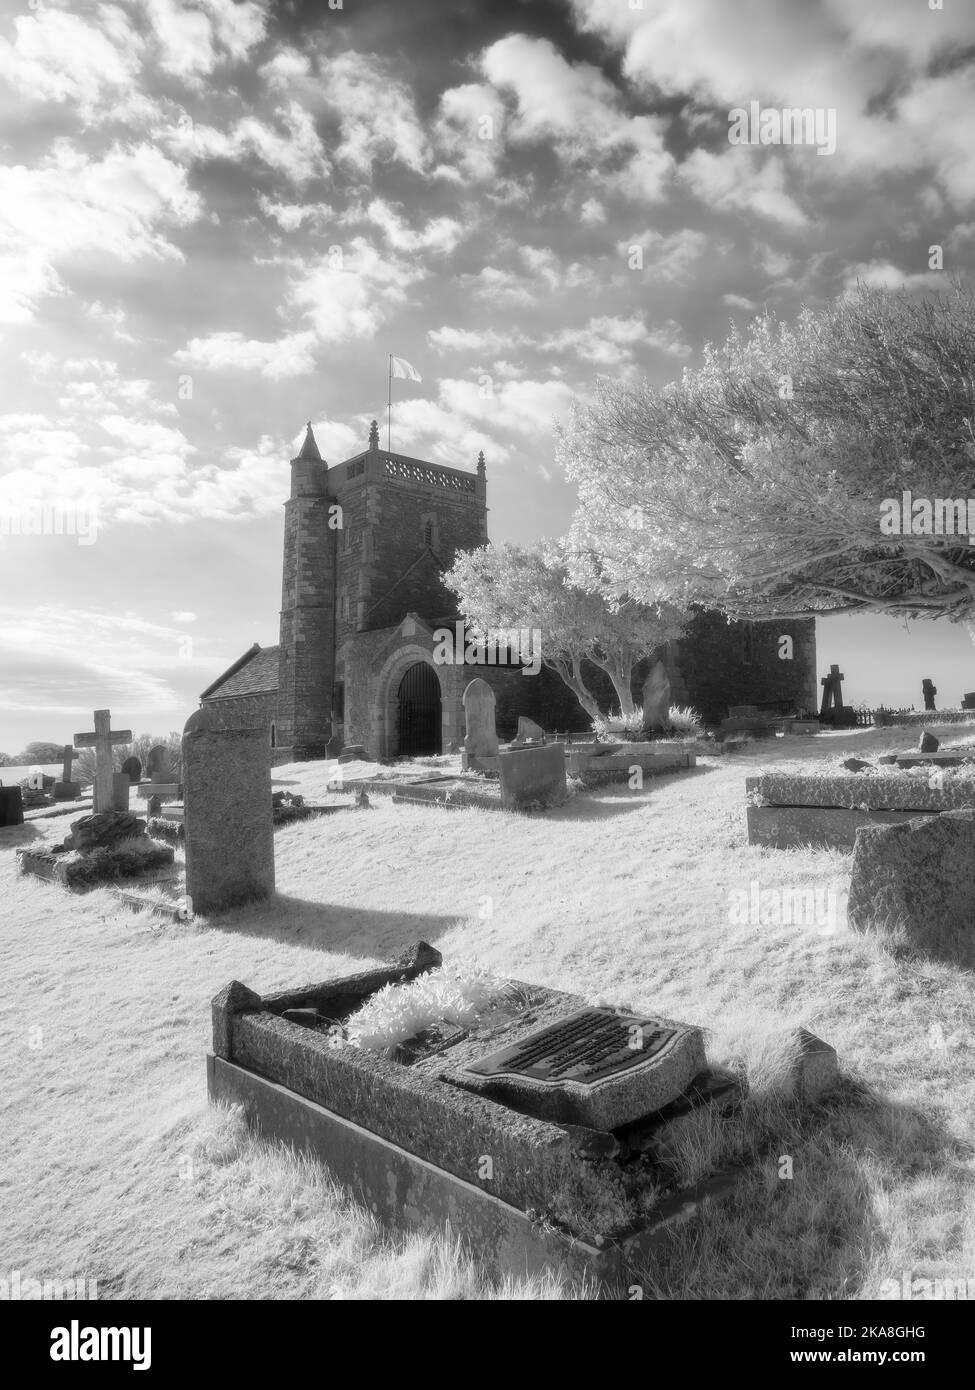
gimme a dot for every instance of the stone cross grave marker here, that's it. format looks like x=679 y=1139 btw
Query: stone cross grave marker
x=481 y=740
x=102 y=740
x=832 y=690
x=69 y=754
x=66 y=789
x=929 y=690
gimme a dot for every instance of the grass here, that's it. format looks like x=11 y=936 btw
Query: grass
x=116 y=1169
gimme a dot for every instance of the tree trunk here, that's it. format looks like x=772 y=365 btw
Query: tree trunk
x=573 y=679
x=621 y=674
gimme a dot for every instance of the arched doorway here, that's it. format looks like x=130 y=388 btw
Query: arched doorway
x=419 y=712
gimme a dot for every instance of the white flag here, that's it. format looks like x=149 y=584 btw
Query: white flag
x=404 y=369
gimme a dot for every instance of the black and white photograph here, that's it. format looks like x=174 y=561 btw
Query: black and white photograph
x=487 y=667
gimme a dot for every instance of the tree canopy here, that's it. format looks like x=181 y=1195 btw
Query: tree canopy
x=504 y=587
x=756 y=483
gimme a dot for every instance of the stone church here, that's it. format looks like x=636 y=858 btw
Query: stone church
x=366 y=546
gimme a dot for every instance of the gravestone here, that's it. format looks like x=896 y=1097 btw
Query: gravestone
x=597 y=1067
x=529 y=731
x=120 y=791
x=159 y=765
x=929 y=691
x=532 y=776
x=132 y=768
x=917 y=877
x=102 y=740
x=67 y=789
x=480 y=739
x=927 y=743
x=656 y=700
x=833 y=711
x=11 y=807
x=227 y=813
x=968 y=700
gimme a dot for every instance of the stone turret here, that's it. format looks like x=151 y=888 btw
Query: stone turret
x=306 y=662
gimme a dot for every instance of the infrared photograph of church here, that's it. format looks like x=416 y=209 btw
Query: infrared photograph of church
x=367 y=543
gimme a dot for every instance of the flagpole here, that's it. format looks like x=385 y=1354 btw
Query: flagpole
x=389 y=404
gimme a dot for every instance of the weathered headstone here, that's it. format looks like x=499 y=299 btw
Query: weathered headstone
x=159 y=765
x=132 y=768
x=917 y=877
x=532 y=776
x=11 y=806
x=481 y=739
x=67 y=789
x=929 y=691
x=968 y=700
x=529 y=731
x=927 y=743
x=102 y=741
x=597 y=1067
x=120 y=791
x=656 y=699
x=228 y=814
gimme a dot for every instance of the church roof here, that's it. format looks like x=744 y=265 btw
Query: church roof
x=254 y=673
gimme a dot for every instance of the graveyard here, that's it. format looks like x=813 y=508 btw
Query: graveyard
x=640 y=895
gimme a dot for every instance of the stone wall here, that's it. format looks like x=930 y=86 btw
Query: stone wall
x=721 y=664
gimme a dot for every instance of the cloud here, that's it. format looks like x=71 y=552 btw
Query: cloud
x=351 y=297
x=292 y=355
x=576 y=109
x=741 y=180
x=469 y=132
x=376 y=114
x=439 y=235
x=123 y=205
x=292 y=147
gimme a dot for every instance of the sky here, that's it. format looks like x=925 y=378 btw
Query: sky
x=217 y=219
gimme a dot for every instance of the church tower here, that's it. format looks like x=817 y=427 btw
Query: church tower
x=306 y=660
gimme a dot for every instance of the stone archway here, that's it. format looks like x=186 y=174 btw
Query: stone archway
x=386 y=711
x=419 y=714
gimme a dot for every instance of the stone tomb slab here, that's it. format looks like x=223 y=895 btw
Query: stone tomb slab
x=598 y=1068
x=447 y=791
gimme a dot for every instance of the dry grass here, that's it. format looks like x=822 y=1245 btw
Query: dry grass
x=116 y=1169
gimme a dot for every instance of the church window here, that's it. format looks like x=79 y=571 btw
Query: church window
x=272 y=733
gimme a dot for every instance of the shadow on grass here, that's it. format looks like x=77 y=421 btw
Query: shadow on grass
x=371 y=933
x=617 y=798
x=818 y=1234
x=14 y=836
